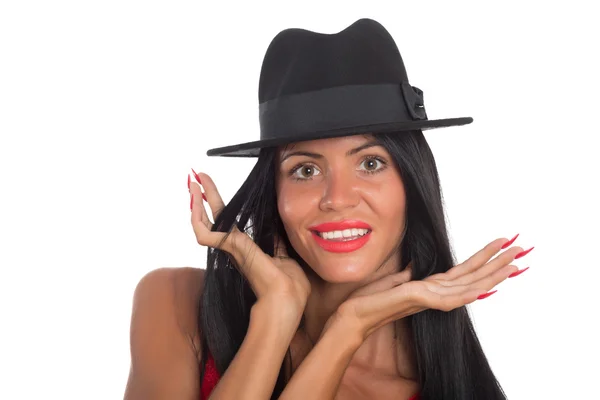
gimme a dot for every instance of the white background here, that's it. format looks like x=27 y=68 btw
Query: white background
x=105 y=107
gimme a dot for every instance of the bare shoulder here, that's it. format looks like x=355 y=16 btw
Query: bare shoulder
x=164 y=335
x=175 y=291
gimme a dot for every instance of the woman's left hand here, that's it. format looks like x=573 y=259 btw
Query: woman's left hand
x=397 y=296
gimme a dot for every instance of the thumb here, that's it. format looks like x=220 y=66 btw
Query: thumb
x=386 y=283
x=408 y=271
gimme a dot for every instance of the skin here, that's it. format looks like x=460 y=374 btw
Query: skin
x=352 y=303
x=331 y=186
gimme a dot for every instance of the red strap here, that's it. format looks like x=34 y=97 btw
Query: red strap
x=211 y=377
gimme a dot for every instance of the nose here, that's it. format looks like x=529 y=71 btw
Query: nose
x=339 y=192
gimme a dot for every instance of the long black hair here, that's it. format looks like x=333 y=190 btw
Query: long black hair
x=450 y=361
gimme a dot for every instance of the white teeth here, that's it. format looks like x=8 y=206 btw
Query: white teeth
x=353 y=233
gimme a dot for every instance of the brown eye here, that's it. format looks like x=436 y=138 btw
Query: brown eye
x=304 y=172
x=372 y=164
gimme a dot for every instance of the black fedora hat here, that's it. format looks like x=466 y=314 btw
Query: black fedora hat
x=315 y=86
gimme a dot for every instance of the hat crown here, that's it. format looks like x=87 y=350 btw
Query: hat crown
x=315 y=86
x=299 y=60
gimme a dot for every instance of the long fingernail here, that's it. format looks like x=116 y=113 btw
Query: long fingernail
x=204 y=197
x=191 y=201
x=197 y=177
x=189 y=182
x=517 y=273
x=488 y=294
x=511 y=241
x=523 y=253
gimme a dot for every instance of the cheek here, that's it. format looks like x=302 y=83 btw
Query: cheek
x=398 y=211
x=390 y=206
x=398 y=204
x=293 y=207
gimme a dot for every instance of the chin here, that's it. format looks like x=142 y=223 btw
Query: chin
x=343 y=272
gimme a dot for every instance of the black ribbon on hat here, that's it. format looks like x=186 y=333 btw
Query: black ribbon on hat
x=340 y=107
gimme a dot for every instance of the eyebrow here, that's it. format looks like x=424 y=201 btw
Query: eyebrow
x=349 y=153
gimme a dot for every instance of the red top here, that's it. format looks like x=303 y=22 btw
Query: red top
x=211 y=377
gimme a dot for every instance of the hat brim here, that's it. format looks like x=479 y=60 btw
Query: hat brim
x=252 y=149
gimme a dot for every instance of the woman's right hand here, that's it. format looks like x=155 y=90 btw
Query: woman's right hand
x=277 y=280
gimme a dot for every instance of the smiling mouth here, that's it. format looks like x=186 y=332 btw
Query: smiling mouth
x=345 y=235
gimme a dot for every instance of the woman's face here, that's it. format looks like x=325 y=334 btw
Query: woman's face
x=342 y=203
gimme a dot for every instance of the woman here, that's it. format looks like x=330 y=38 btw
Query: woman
x=330 y=272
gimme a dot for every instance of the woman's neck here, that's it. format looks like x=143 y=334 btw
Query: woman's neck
x=388 y=350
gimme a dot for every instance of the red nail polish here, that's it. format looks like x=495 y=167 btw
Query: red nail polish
x=189 y=182
x=191 y=201
x=204 y=197
x=197 y=177
x=483 y=296
x=523 y=253
x=511 y=241
x=517 y=273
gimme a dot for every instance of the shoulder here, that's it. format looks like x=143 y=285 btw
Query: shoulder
x=164 y=335
x=165 y=277
x=167 y=281
x=172 y=294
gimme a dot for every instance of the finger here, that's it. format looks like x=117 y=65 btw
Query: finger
x=401 y=277
x=398 y=278
x=432 y=296
x=201 y=224
x=492 y=266
x=476 y=260
x=199 y=215
x=490 y=281
x=409 y=268
x=204 y=235
x=212 y=194
x=480 y=286
x=386 y=283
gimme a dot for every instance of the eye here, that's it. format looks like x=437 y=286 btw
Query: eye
x=304 y=172
x=373 y=165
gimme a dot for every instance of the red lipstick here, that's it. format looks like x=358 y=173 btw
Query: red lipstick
x=341 y=246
